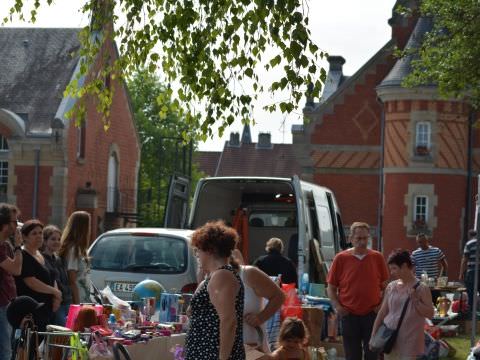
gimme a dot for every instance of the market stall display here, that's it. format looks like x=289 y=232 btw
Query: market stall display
x=93 y=329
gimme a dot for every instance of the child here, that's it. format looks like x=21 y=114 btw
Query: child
x=292 y=341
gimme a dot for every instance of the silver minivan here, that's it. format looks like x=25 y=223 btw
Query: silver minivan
x=122 y=258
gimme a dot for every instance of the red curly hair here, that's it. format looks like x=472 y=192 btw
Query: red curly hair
x=215 y=237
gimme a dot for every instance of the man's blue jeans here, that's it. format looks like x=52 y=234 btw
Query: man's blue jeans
x=5 y=335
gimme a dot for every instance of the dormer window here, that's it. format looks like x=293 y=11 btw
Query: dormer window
x=423 y=136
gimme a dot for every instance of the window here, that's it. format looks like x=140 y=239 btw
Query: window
x=112 y=184
x=422 y=140
x=3 y=143
x=81 y=138
x=3 y=179
x=421 y=209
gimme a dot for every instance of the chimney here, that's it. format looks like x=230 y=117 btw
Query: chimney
x=336 y=63
x=264 y=141
x=234 y=139
x=246 y=134
x=403 y=24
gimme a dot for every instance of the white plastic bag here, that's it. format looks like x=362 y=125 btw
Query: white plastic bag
x=99 y=349
x=114 y=300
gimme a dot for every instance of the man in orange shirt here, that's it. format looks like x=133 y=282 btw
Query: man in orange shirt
x=355 y=284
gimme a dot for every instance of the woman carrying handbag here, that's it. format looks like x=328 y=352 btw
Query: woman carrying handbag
x=403 y=296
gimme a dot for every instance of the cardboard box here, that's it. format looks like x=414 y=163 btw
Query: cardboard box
x=313 y=319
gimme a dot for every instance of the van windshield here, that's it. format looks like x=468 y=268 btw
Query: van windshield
x=275 y=218
x=133 y=253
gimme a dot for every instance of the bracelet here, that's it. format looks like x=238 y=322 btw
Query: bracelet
x=17 y=248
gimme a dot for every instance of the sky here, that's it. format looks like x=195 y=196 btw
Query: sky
x=351 y=28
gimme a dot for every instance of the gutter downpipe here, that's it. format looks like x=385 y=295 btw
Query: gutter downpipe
x=35 y=183
x=381 y=180
x=468 y=194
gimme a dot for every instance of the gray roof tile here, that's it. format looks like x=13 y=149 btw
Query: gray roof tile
x=403 y=66
x=36 y=65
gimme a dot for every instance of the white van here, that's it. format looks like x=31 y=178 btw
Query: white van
x=262 y=208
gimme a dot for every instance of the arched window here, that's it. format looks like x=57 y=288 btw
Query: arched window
x=81 y=139
x=3 y=143
x=112 y=184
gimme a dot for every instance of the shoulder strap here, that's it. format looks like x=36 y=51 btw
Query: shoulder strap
x=404 y=310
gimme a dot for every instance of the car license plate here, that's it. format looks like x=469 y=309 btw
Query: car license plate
x=122 y=286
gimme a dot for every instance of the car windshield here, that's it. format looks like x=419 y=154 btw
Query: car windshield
x=138 y=253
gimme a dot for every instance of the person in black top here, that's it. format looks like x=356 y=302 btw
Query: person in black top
x=36 y=280
x=216 y=308
x=274 y=263
x=57 y=266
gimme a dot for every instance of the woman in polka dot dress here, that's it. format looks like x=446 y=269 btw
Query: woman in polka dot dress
x=217 y=306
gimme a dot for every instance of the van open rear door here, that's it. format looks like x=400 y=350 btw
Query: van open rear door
x=302 y=253
x=177 y=203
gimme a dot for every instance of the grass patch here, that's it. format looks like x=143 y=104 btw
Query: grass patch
x=461 y=343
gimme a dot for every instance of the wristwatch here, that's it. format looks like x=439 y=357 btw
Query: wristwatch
x=17 y=248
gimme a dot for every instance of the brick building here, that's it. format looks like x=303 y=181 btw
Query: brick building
x=48 y=166
x=398 y=158
x=243 y=157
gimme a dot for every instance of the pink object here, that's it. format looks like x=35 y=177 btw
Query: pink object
x=410 y=340
x=73 y=313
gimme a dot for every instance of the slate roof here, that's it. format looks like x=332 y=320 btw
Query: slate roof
x=36 y=65
x=403 y=66
x=278 y=160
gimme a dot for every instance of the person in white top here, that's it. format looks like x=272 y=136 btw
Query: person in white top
x=258 y=288
x=73 y=251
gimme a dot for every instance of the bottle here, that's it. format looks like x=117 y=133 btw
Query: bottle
x=112 y=322
x=424 y=278
x=332 y=354
x=304 y=284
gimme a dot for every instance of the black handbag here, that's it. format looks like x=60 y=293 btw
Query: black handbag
x=385 y=338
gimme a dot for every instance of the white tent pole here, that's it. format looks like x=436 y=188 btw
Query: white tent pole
x=475 y=278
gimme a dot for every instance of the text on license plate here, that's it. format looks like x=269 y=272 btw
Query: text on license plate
x=122 y=286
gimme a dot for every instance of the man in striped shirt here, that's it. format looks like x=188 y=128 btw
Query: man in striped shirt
x=429 y=259
x=468 y=264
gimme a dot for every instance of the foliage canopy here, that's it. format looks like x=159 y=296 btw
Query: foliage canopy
x=164 y=152
x=211 y=50
x=449 y=53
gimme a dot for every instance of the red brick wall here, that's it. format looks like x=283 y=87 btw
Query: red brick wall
x=23 y=190
x=357 y=195
x=450 y=191
x=355 y=119
x=94 y=169
x=401 y=33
